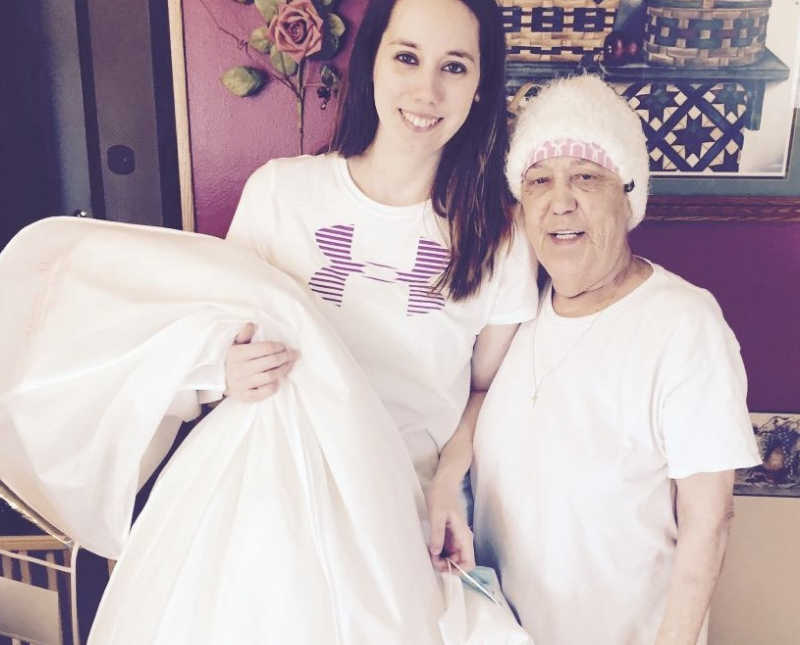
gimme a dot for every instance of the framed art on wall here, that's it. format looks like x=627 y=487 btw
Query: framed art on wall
x=713 y=81
x=778 y=438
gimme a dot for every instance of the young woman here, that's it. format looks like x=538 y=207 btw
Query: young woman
x=404 y=237
x=391 y=264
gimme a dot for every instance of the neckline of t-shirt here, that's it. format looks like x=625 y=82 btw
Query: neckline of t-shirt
x=395 y=212
x=567 y=320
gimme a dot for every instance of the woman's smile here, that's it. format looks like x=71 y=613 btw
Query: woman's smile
x=566 y=237
x=425 y=78
x=419 y=122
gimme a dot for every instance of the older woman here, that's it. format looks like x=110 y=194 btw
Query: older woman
x=606 y=447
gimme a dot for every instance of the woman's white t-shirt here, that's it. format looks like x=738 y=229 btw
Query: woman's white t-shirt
x=370 y=267
x=574 y=492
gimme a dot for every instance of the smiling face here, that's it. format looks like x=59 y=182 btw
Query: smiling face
x=426 y=74
x=576 y=218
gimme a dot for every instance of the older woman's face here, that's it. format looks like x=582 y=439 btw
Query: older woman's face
x=576 y=218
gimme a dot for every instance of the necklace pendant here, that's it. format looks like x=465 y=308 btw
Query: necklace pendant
x=534 y=397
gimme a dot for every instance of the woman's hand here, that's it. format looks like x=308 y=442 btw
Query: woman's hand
x=451 y=537
x=253 y=370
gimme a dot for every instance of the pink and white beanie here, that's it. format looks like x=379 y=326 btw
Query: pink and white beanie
x=582 y=117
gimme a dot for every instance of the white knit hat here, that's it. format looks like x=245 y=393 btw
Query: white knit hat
x=582 y=117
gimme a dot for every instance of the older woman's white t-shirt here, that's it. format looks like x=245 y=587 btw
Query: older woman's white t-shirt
x=574 y=495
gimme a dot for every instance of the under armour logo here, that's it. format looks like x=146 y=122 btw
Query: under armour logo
x=336 y=243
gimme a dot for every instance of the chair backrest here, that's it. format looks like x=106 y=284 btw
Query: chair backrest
x=7 y=495
x=37 y=582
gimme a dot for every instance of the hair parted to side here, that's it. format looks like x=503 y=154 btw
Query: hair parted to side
x=469 y=188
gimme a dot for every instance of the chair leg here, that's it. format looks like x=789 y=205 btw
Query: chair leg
x=73 y=594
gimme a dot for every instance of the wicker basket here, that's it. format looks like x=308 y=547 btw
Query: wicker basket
x=556 y=30
x=705 y=33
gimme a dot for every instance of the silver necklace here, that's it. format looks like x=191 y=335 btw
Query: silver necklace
x=605 y=305
x=539 y=382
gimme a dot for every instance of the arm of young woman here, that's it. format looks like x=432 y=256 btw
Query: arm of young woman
x=451 y=536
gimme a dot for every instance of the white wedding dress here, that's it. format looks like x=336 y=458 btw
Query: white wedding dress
x=297 y=520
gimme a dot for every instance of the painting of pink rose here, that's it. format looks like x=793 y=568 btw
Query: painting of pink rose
x=296 y=37
x=296 y=29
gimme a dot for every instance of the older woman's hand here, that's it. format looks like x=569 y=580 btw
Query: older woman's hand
x=253 y=370
x=451 y=536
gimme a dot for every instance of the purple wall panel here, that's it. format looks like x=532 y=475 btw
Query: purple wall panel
x=231 y=136
x=754 y=272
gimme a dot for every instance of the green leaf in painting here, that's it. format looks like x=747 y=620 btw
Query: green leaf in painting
x=282 y=63
x=331 y=40
x=259 y=40
x=267 y=8
x=328 y=76
x=243 y=81
x=324 y=7
x=335 y=25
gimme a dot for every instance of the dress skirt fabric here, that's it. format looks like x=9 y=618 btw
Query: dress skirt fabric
x=294 y=520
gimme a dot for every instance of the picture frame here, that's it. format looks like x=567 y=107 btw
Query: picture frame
x=778 y=438
x=727 y=199
x=756 y=176
x=181 y=99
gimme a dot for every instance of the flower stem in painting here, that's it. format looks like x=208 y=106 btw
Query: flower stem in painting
x=292 y=34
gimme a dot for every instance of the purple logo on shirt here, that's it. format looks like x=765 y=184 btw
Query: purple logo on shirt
x=336 y=243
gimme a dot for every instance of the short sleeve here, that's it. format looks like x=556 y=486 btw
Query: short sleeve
x=250 y=225
x=517 y=292
x=704 y=421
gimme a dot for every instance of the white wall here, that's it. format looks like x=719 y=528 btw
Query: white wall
x=757 y=601
x=765 y=150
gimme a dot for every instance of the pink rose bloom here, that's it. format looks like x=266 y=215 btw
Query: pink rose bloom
x=296 y=29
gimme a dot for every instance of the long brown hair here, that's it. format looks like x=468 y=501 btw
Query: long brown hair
x=469 y=188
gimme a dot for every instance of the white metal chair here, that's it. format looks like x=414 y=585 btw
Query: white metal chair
x=38 y=582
